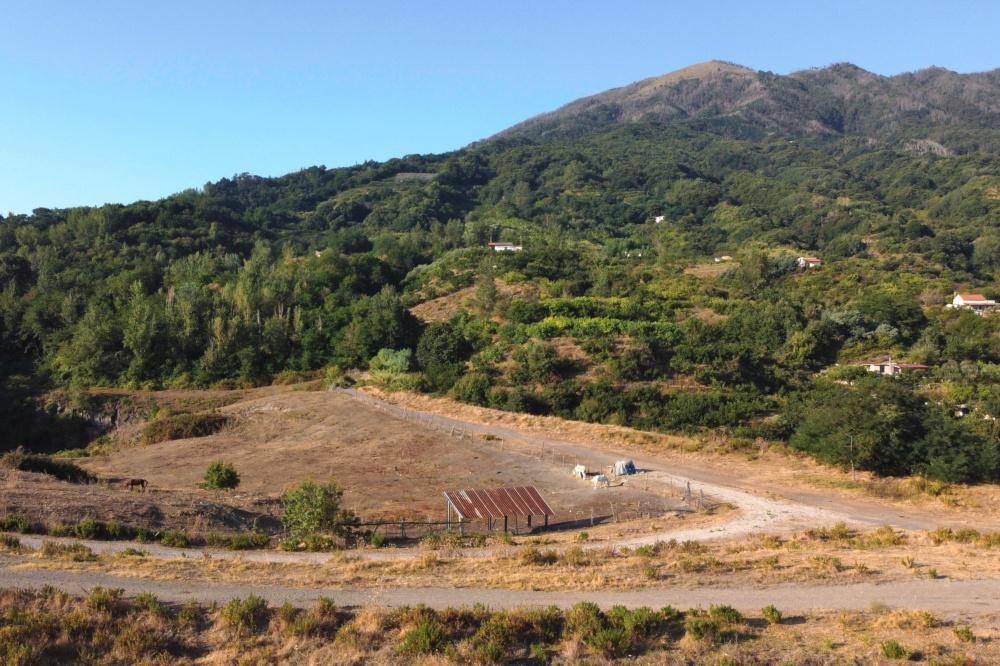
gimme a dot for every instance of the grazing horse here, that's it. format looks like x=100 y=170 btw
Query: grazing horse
x=136 y=483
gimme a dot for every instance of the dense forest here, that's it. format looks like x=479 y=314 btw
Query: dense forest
x=658 y=285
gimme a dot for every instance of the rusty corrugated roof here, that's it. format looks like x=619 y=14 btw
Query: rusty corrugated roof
x=498 y=502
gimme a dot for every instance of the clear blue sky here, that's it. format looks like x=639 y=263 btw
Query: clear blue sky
x=118 y=101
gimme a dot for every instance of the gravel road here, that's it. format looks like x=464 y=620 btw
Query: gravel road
x=943 y=596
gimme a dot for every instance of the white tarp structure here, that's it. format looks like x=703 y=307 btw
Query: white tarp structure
x=623 y=468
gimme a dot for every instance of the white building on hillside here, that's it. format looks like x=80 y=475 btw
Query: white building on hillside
x=975 y=302
x=506 y=247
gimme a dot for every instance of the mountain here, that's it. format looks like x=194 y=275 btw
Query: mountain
x=622 y=307
x=841 y=99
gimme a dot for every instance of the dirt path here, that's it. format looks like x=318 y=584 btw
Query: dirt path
x=760 y=509
x=955 y=597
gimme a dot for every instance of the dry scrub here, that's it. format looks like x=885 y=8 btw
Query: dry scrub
x=103 y=627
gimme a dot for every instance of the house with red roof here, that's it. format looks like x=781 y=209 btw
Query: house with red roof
x=978 y=303
x=810 y=262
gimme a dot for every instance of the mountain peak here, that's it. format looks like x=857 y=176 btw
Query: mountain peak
x=841 y=98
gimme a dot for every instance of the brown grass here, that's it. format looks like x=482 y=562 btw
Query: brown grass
x=103 y=627
x=812 y=557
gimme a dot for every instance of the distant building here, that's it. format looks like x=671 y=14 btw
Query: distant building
x=810 y=262
x=975 y=302
x=723 y=258
x=659 y=218
x=506 y=247
x=890 y=368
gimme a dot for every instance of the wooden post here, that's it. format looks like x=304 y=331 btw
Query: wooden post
x=505 y=523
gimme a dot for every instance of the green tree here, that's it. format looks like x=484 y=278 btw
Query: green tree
x=313 y=509
x=221 y=476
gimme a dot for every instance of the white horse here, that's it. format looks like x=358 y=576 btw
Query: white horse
x=580 y=471
x=600 y=480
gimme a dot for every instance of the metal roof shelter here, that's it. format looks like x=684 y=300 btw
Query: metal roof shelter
x=495 y=503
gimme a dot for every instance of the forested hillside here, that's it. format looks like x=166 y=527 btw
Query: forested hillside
x=607 y=314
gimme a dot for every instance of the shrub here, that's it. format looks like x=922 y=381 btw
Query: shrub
x=74 y=551
x=174 y=539
x=41 y=464
x=771 y=614
x=245 y=615
x=426 y=637
x=576 y=557
x=10 y=543
x=531 y=555
x=315 y=509
x=88 y=528
x=725 y=615
x=700 y=627
x=610 y=641
x=584 y=619
x=103 y=599
x=12 y=523
x=183 y=426
x=149 y=602
x=893 y=650
x=377 y=540
x=221 y=476
x=964 y=634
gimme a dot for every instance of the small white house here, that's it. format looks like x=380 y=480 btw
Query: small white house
x=810 y=262
x=975 y=302
x=506 y=247
x=659 y=218
x=890 y=368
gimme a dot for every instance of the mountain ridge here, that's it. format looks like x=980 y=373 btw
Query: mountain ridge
x=839 y=99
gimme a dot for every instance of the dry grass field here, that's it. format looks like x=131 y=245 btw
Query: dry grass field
x=389 y=467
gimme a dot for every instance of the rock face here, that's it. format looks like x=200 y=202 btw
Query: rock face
x=840 y=99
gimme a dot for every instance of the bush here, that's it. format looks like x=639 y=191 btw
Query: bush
x=378 y=540
x=531 y=555
x=88 y=528
x=221 y=476
x=610 y=641
x=771 y=614
x=893 y=650
x=313 y=509
x=13 y=523
x=245 y=615
x=73 y=551
x=175 y=539
x=103 y=599
x=427 y=637
x=964 y=634
x=725 y=615
x=584 y=619
x=701 y=628
x=183 y=426
x=41 y=464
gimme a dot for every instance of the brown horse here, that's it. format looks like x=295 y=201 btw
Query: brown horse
x=136 y=483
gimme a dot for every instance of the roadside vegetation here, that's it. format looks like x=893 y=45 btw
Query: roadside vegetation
x=105 y=627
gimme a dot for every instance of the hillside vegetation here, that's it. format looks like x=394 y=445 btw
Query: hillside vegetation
x=607 y=315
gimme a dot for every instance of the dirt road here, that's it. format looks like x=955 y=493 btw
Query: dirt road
x=770 y=509
x=950 y=597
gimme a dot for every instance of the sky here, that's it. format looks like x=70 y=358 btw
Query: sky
x=119 y=101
